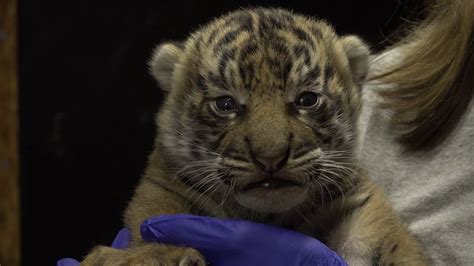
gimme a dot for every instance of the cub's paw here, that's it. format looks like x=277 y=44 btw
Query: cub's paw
x=149 y=254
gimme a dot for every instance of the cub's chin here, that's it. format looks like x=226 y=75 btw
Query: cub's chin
x=271 y=196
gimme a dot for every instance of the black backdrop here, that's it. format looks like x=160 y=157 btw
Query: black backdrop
x=87 y=104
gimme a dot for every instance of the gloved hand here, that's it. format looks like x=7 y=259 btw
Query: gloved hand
x=231 y=242
x=121 y=241
x=237 y=242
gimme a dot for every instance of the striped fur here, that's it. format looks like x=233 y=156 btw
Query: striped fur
x=205 y=159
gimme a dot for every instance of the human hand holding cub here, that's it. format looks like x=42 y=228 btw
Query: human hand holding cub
x=232 y=242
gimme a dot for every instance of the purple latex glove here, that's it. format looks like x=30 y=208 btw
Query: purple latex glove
x=237 y=242
x=121 y=241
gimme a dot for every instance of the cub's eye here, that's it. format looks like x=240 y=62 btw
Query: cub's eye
x=226 y=104
x=307 y=99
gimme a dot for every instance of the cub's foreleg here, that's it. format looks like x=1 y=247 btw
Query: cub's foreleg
x=372 y=234
x=150 y=199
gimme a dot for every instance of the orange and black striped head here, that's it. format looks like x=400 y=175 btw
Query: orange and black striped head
x=263 y=104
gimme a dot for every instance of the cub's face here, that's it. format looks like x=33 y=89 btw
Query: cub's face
x=261 y=108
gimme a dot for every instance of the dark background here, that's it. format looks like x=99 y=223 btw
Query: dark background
x=87 y=104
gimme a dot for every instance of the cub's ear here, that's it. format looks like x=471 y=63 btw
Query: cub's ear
x=358 y=55
x=163 y=62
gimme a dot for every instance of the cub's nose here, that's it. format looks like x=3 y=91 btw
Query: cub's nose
x=270 y=159
x=271 y=165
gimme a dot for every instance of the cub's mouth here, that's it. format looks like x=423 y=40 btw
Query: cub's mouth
x=271 y=195
x=271 y=183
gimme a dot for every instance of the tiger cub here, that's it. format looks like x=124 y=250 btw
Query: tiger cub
x=259 y=123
